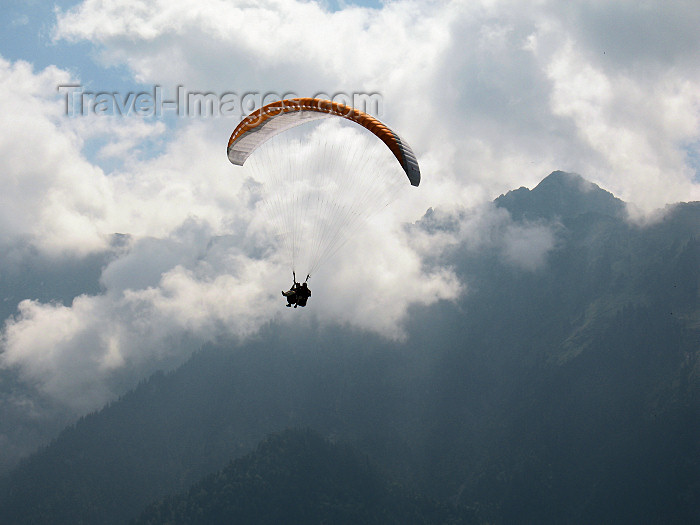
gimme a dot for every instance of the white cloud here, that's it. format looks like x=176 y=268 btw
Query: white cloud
x=79 y=353
x=378 y=274
x=526 y=245
x=164 y=298
x=49 y=190
x=487 y=228
x=53 y=194
x=634 y=131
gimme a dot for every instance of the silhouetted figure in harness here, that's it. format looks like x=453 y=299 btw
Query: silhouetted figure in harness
x=291 y=295
x=303 y=294
x=298 y=294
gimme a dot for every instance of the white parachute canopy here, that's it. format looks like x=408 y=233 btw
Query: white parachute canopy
x=318 y=184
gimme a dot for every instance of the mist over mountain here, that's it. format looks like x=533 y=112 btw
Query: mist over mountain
x=563 y=386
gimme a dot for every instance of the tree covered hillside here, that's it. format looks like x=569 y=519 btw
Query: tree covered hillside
x=298 y=477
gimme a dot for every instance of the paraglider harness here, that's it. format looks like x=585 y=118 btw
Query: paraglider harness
x=298 y=294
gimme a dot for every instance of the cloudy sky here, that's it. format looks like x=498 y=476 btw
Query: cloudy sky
x=492 y=95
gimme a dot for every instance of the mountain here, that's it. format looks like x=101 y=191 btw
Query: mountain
x=563 y=392
x=298 y=477
x=560 y=194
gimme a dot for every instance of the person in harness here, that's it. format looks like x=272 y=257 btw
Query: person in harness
x=303 y=294
x=291 y=295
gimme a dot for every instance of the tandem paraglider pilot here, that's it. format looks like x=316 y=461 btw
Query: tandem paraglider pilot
x=298 y=294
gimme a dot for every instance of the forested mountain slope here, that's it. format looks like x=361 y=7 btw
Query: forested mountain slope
x=298 y=477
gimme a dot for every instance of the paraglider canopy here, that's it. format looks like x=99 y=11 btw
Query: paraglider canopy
x=276 y=117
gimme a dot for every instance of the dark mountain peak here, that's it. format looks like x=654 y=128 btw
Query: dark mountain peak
x=562 y=195
x=565 y=179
